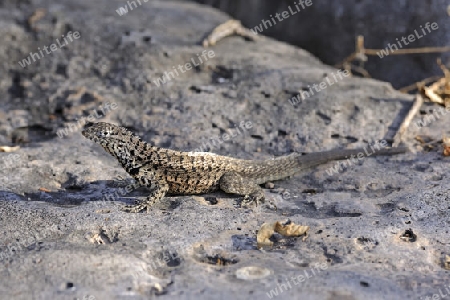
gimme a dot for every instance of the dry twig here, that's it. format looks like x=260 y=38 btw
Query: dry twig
x=360 y=55
x=230 y=27
x=418 y=85
x=405 y=124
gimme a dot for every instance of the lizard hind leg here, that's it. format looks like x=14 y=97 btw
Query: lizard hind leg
x=234 y=183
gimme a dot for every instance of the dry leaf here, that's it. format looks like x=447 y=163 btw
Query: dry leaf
x=9 y=149
x=446 y=142
x=290 y=229
x=286 y=229
x=447 y=262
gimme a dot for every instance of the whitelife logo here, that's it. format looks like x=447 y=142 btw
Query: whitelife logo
x=411 y=38
x=168 y=75
x=281 y=16
x=53 y=47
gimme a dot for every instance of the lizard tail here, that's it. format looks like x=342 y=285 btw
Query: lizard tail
x=285 y=166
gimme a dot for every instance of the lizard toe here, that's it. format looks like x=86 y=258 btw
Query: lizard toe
x=133 y=208
x=254 y=198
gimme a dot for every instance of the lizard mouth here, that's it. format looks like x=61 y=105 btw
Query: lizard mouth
x=86 y=132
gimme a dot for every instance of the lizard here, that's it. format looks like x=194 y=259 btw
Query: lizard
x=167 y=171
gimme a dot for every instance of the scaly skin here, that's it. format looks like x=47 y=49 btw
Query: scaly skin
x=168 y=171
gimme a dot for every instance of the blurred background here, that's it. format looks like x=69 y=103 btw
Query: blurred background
x=328 y=29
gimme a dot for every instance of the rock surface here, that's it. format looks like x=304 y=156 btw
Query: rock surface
x=63 y=235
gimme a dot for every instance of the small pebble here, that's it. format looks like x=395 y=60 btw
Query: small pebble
x=269 y=185
x=250 y=273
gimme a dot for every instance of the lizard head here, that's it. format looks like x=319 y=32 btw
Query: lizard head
x=112 y=138
x=117 y=141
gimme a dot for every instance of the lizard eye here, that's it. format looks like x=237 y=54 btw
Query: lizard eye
x=103 y=134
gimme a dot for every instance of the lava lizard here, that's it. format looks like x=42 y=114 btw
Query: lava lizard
x=167 y=171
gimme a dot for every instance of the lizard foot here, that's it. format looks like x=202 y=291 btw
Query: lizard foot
x=249 y=200
x=138 y=207
x=133 y=208
x=254 y=198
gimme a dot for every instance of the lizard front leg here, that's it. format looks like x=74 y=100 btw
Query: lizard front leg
x=158 y=185
x=234 y=183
